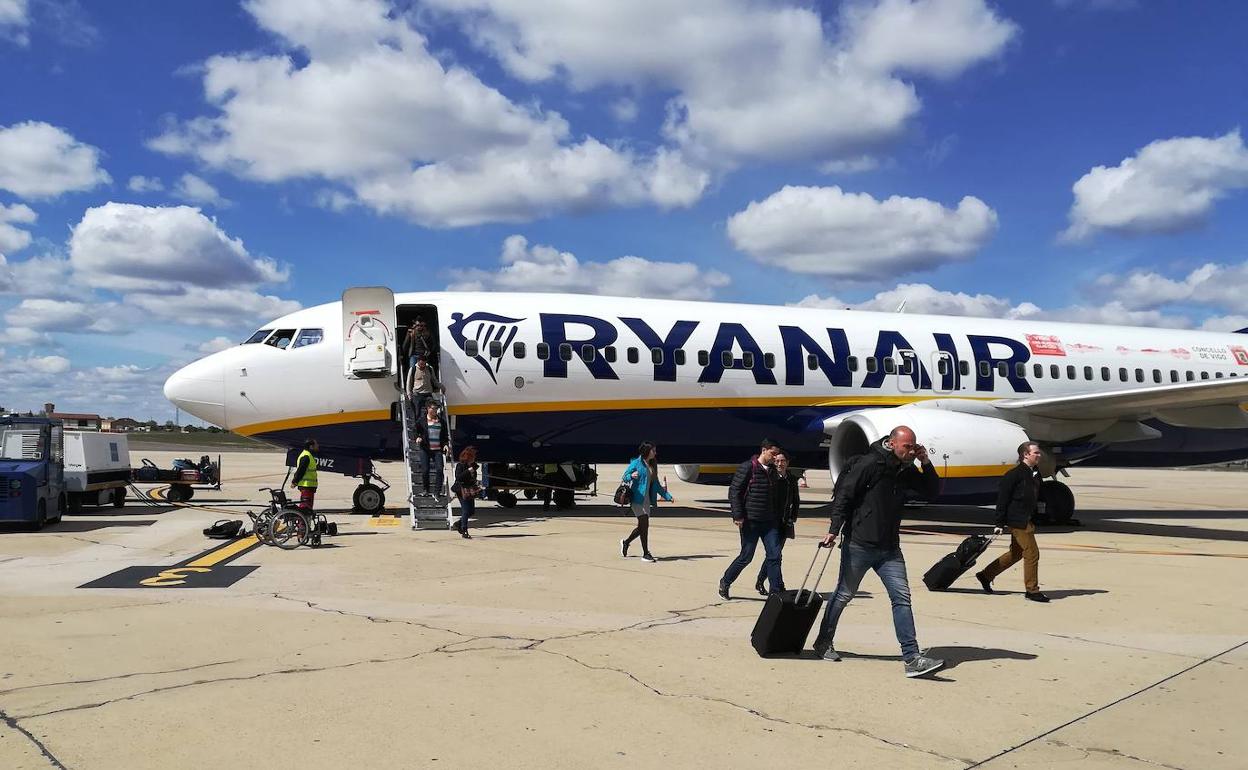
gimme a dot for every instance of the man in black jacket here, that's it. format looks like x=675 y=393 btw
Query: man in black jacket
x=1016 y=505
x=869 y=509
x=752 y=497
x=787 y=501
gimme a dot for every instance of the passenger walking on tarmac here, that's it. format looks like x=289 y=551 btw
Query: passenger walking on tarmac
x=305 y=475
x=431 y=437
x=787 y=502
x=868 y=506
x=466 y=488
x=1017 y=500
x=422 y=383
x=642 y=474
x=752 y=497
x=418 y=343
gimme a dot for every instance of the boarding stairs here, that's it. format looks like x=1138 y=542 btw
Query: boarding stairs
x=432 y=511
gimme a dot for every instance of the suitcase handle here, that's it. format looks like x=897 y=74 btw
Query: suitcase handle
x=811 y=596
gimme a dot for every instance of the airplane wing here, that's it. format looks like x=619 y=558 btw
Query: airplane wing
x=1161 y=401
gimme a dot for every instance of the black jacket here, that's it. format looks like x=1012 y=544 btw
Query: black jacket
x=1017 y=497
x=787 y=502
x=465 y=477
x=875 y=494
x=422 y=430
x=752 y=492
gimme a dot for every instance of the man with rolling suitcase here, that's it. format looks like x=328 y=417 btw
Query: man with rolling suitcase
x=1016 y=505
x=869 y=509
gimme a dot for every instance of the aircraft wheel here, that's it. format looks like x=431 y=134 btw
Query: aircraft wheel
x=368 y=498
x=530 y=494
x=507 y=499
x=119 y=497
x=1059 y=501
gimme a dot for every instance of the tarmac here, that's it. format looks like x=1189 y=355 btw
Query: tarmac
x=535 y=644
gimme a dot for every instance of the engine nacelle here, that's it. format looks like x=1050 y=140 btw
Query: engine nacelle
x=710 y=475
x=969 y=451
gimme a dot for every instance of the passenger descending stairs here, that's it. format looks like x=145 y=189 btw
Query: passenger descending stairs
x=427 y=511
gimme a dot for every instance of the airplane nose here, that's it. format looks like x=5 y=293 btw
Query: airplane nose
x=199 y=389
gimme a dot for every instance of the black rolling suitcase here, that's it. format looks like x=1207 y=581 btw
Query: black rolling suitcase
x=950 y=568
x=785 y=621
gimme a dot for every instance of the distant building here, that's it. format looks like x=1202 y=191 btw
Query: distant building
x=119 y=425
x=76 y=421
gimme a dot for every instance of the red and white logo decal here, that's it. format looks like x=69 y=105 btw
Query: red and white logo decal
x=1045 y=345
x=1079 y=347
x=1241 y=355
x=1182 y=353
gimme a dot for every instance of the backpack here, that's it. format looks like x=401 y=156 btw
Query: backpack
x=225 y=529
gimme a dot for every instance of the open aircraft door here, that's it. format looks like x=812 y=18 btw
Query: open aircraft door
x=369 y=347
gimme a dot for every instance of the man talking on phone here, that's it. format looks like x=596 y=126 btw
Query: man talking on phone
x=868 y=508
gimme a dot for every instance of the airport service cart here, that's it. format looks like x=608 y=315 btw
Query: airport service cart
x=183 y=478
x=505 y=482
x=97 y=469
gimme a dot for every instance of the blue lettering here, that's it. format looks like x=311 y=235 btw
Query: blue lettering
x=951 y=379
x=664 y=371
x=983 y=353
x=797 y=343
x=729 y=336
x=885 y=344
x=555 y=333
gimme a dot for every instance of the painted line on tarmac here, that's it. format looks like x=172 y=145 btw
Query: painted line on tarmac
x=386 y=520
x=204 y=570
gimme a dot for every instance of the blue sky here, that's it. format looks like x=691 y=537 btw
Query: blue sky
x=172 y=175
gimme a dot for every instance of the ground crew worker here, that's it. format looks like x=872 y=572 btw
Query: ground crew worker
x=1016 y=505
x=305 y=475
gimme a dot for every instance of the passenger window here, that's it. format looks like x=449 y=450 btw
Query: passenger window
x=1037 y=370
x=308 y=337
x=588 y=353
x=517 y=350
x=1055 y=371
x=543 y=351
x=678 y=355
x=1156 y=375
x=1003 y=369
x=471 y=348
x=656 y=356
x=1139 y=375
x=609 y=353
x=1191 y=375
x=890 y=366
x=565 y=351
x=942 y=366
x=725 y=358
x=1070 y=373
x=1122 y=374
x=1204 y=375
x=258 y=336
x=747 y=360
x=496 y=349
x=1218 y=375
x=281 y=338
x=704 y=358
x=985 y=369
x=769 y=360
x=1174 y=375
x=853 y=363
x=812 y=361
x=1020 y=369
x=1087 y=373
x=907 y=365
x=873 y=365
x=965 y=366
x=633 y=355
x=1105 y=374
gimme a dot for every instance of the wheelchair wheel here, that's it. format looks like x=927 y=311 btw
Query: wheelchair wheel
x=289 y=530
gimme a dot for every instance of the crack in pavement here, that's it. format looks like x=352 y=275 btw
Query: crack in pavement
x=1113 y=753
x=755 y=712
x=119 y=676
x=48 y=755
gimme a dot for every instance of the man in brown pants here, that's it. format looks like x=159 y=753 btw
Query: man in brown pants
x=1016 y=504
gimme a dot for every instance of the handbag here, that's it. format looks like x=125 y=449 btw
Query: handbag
x=623 y=494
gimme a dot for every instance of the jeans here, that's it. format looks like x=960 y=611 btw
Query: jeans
x=889 y=564
x=466 y=505
x=432 y=457
x=762 y=568
x=772 y=535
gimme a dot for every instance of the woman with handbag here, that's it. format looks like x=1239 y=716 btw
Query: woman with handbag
x=642 y=475
x=466 y=488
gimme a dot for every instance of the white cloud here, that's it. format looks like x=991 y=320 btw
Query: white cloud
x=438 y=145
x=1212 y=285
x=11 y=237
x=14 y=21
x=1168 y=186
x=124 y=246
x=214 y=308
x=625 y=110
x=824 y=231
x=194 y=189
x=751 y=80
x=1225 y=323
x=17 y=335
x=857 y=165
x=545 y=268
x=47 y=275
x=52 y=315
x=38 y=160
x=145 y=184
x=214 y=345
x=34 y=365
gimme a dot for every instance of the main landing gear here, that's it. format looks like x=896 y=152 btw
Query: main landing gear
x=369 y=498
x=1059 y=503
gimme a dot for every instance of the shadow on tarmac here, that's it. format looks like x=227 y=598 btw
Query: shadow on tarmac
x=946 y=519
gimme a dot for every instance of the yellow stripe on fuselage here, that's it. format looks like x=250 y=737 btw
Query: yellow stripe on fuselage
x=313 y=421
x=691 y=403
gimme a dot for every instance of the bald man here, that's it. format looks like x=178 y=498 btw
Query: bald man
x=869 y=509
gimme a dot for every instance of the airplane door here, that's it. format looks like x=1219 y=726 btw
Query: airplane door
x=944 y=378
x=907 y=371
x=369 y=347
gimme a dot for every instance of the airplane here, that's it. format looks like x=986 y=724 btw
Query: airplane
x=541 y=378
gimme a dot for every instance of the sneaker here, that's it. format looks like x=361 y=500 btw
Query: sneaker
x=762 y=590
x=921 y=665
x=648 y=557
x=826 y=651
x=985 y=582
x=624 y=548
x=465 y=535
x=1037 y=597
x=723 y=590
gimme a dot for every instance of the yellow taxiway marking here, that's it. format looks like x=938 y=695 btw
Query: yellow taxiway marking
x=224 y=552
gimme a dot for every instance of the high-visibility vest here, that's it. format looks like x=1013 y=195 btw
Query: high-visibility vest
x=309 y=476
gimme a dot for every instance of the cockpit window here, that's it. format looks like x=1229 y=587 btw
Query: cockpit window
x=258 y=336
x=308 y=337
x=281 y=338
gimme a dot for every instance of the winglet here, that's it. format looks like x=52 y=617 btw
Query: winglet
x=1241 y=331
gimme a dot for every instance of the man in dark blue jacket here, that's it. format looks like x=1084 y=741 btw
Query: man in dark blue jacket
x=869 y=509
x=752 y=497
